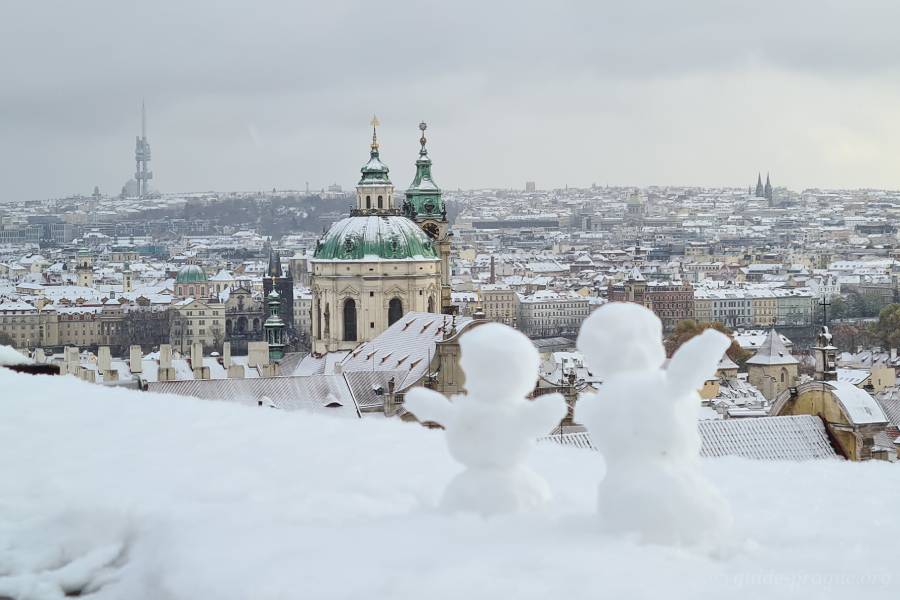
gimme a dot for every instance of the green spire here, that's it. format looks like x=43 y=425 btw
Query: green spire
x=374 y=171
x=423 y=198
x=274 y=327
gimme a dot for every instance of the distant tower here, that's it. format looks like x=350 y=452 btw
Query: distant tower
x=142 y=174
x=424 y=204
x=826 y=356
x=767 y=191
x=84 y=268
x=635 y=205
x=276 y=279
x=760 y=191
x=274 y=327
x=127 y=279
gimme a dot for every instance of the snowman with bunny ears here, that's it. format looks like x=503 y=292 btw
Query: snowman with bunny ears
x=643 y=419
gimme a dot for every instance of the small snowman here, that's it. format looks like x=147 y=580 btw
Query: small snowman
x=643 y=419
x=491 y=429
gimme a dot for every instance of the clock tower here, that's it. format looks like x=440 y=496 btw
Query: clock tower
x=425 y=206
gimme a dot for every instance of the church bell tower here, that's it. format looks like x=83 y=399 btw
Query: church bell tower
x=424 y=204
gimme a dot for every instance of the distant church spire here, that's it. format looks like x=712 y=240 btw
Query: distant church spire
x=760 y=192
x=767 y=192
x=374 y=123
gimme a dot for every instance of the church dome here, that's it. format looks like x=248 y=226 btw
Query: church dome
x=191 y=274
x=375 y=237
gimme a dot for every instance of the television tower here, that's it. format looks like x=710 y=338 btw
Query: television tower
x=142 y=174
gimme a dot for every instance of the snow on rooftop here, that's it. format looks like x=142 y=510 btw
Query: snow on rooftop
x=143 y=496
x=10 y=356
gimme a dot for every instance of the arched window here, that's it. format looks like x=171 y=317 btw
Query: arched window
x=191 y=291
x=783 y=375
x=318 y=318
x=431 y=304
x=228 y=327
x=255 y=324
x=395 y=311
x=242 y=324
x=380 y=201
x=368 y=201
x=327 y=320
x=349 y=320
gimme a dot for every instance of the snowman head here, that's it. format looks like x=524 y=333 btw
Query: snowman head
x=499 y=362
x=621 y=336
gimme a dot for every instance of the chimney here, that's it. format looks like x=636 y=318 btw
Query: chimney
x=226 y=355
x=166 y=371
x=103 y=359
x=257 y=354
x=200 y=372
x=135 y=359
x=104 y=365
x=165 y=356
x=196 y=355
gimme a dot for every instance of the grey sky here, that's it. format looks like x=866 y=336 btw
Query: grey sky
x=255 y=95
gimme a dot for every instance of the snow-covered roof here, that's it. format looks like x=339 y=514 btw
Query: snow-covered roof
x=860 y=407
x=796 y=437
x=326 y=394
x=772 y=352
x=406 y=346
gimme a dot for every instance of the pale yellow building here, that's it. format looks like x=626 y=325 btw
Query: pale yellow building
x=195 y=320
x=499 y=303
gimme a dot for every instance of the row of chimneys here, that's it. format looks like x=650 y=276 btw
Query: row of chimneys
x=258 y=357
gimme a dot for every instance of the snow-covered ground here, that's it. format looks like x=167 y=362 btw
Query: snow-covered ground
x=139 y=496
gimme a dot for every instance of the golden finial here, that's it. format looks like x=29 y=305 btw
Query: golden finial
x=375 y=123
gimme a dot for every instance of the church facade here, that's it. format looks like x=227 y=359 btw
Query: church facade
x=379 y=263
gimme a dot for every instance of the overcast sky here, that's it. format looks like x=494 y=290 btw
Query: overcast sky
x=263 y=94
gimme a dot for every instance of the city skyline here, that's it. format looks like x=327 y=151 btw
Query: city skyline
x=576 y=94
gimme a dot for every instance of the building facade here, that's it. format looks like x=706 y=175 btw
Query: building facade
x=371 y=268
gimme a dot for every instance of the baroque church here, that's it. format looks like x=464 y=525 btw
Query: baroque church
x=384 y=260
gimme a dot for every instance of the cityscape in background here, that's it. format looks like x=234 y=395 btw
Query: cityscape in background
x=165 y=291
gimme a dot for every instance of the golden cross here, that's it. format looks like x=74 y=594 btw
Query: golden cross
x=374 y=122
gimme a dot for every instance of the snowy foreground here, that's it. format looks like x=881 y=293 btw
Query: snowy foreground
x=137 y=496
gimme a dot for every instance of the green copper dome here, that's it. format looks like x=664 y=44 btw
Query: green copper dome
x=191 y=274
x=372 y=238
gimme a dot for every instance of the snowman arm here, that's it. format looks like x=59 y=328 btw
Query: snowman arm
x=697 y=360
x=541 y=415
x=428 y=405
x=587 y=405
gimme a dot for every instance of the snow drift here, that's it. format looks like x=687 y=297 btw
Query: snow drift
x=117 y=494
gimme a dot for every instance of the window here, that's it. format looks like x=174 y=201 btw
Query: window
x=380 y=201
x=319 y=318
x=395 y=310
x=368 y=201
x=349 y=320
